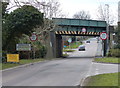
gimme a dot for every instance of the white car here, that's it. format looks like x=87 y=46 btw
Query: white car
x=81 y=48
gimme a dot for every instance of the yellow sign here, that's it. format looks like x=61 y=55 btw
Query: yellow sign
x=12 y=57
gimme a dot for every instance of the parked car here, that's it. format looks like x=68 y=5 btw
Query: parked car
x=81 y=48
x=88 y=41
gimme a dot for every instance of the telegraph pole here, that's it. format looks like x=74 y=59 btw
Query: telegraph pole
x=107 y=31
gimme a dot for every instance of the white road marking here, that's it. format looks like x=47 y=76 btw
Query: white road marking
x=105 y=64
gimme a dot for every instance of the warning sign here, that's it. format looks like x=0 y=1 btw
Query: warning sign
x=12 y=57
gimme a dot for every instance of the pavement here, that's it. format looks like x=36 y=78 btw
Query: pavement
x=69 y=71
x=99 y=52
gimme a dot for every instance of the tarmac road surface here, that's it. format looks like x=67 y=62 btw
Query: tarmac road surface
x=64 y=72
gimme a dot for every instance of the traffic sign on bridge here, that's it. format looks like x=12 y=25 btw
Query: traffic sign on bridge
x=83 y=29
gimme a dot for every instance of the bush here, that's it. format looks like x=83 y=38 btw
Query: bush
x=4 y=56
x=114 y=52
x=23 y=54
x=41 y=52
x=117 y=46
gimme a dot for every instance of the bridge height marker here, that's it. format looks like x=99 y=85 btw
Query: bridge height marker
x=33 y=38
x=83 y=29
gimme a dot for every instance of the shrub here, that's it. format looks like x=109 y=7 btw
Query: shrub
x=114 y=52
x=41 y=52
x=117 y=46
x=4 y=56
x=24 y=54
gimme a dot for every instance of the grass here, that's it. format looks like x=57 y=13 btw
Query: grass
x=73 y=45
x=23 y=61
x=0 y=66
x=108 y=60
x=110 y=79
x=65 y=55
x=67 y=50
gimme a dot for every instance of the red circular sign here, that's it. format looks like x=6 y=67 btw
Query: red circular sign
x=83 y=29
x=34 y=37
x=103 y=35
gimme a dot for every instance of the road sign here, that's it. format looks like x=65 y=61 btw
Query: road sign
x=12 y=57
x=103 y=36
x=23 y=47
x=34 y=37
x=69 y=40
x=83 y=29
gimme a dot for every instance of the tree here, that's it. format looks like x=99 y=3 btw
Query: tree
x=4 y=6
x=21 y=21
x=4 y=15
x=82 y=15
x=50 y=8
x=117 y=39
x=104 y=14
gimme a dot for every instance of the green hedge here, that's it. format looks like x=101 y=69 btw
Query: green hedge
x=41 y=52
x=114 y=52
x=4 y=56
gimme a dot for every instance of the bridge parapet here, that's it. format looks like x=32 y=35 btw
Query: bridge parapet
x=79 y=22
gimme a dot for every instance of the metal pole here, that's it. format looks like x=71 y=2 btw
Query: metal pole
x=107 y=14
x=34 y=52
x=102 y=48
x=69 y=45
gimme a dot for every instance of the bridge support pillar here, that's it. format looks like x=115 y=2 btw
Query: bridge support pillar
x=54 y=45
x=58 y=46
x=51 y=45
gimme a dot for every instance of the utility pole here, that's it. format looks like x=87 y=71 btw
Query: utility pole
x=107 y=31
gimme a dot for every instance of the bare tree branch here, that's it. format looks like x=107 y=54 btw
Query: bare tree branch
x=82 y=15
x=104 y=14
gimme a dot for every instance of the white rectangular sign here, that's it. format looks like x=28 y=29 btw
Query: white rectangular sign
x=23 y=47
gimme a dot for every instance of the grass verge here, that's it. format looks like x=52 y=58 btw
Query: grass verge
x=110 y=79
x=73 y=45
x=65 y=55
x=67 y=50
x=107 y=60
x=22 y=62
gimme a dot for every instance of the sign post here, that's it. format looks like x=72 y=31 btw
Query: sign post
x=33 y=38
x=103 y=36
x=69 y=40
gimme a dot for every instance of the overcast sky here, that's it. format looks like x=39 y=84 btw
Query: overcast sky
x=70 y=7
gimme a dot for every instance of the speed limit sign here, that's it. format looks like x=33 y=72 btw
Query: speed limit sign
x=34 y=37
x=103 y=35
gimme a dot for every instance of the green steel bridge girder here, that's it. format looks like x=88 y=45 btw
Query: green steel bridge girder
x=66 y=24
x=88 y=29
